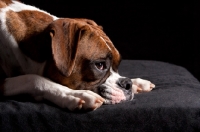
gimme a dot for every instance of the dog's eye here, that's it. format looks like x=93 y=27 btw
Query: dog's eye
x=101 y=65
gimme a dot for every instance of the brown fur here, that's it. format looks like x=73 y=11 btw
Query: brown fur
x=4 y=3
x=22 y=28
x=29 y=33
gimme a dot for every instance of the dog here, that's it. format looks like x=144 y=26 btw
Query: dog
x=69 y=62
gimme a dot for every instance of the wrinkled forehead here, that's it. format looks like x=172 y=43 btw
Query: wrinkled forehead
x=116 y=58
x=100 y=46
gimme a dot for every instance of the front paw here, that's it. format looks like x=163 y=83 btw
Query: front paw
x=141 y=85
x=85 y=100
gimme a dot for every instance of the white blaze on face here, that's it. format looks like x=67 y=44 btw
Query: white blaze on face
x=106 y=43
x=114 y=77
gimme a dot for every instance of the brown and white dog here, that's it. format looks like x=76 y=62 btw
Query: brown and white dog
x=70 y=62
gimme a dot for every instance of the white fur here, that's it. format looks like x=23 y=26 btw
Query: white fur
x=106 y=43
x=42 y=88
x=113 y=78
x=138 y=83
x=143 y=85
x=112 y=87
x=17 y=7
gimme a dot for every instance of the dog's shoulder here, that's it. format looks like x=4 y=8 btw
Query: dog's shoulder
x=22 y=20
x=19 y=26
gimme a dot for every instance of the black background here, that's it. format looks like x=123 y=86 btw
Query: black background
x=164 y=31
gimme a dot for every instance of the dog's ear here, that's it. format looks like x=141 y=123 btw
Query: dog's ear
x=65 y=37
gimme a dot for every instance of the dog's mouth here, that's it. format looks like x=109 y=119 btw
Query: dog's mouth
x=114 y=93
x=115 y=89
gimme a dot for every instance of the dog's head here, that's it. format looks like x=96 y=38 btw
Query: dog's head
x=85 y=58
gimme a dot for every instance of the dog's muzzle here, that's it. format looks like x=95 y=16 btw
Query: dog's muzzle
x=116 y=91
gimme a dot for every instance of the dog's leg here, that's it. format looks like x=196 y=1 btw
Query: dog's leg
x=141 y=85
x=42 y=88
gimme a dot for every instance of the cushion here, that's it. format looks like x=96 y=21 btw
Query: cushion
x=174 y=105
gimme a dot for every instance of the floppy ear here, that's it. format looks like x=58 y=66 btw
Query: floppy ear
x=65 y=37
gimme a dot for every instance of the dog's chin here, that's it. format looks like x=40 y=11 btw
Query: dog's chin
x=114 y=94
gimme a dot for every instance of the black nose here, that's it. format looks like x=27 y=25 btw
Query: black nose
x=125 y=83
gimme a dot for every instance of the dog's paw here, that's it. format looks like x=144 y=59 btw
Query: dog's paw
x=85 y=100
x=141 y=85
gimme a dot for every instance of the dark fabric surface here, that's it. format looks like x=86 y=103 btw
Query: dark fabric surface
x=174 y=105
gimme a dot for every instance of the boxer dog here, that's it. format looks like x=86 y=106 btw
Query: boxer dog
x=70 y=62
